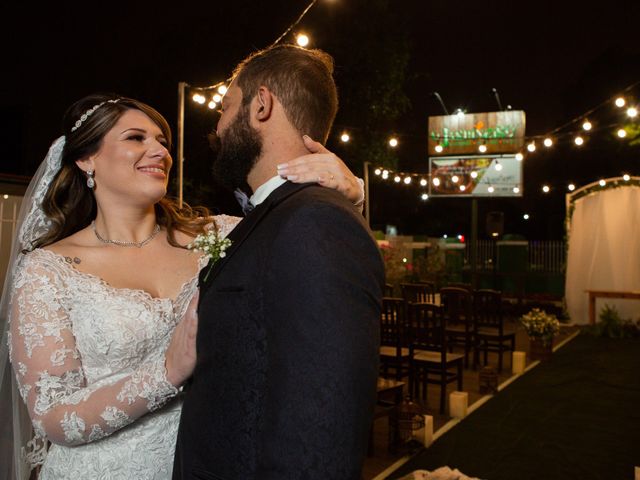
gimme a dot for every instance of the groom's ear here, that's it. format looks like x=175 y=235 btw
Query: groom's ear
x=263 y=104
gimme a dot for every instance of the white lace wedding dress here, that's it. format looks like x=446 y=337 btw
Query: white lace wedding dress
x=89 y=359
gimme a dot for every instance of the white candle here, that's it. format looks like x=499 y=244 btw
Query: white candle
x=458 y=402
x=425 y=434
x=518 y=362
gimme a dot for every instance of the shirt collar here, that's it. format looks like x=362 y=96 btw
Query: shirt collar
x=264 y=190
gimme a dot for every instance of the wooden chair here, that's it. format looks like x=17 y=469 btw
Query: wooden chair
x=388 y=290
x=492 y=335
x=394 y=351
x=424 y=292
x=457 y=311
x=430 y=360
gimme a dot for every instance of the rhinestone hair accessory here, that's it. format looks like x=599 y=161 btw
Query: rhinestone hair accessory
x=89 y=112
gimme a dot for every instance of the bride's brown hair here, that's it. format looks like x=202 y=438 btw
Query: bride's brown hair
x=71 y=205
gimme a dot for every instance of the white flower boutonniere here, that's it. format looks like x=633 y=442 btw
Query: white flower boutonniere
x=212 y=245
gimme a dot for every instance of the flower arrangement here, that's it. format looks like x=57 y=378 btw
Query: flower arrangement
x=540 y=325
x=212 y=245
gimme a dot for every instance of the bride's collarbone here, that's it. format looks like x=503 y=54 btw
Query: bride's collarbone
x=160 y=271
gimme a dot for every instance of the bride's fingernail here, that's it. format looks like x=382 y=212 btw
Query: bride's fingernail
x=292 y=177
x=282 y=166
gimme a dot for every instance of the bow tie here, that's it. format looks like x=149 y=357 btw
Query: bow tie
x=243 y=200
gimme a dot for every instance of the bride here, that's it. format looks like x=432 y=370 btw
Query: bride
x=101 y=295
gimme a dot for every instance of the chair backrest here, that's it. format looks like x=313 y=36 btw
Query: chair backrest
x=392 y=322
x=457 y=306
x=428 y=327
x=418 y=292
x=487 y=308
x=466 y=286
x=388 y=290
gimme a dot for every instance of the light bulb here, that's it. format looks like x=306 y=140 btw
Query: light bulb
x=632 y=112
x=397 y=179
x=424 y=196
x=407 y=180
x=620 y=102
x=455 y=179
x=602 y=183
x=439 y=148
x=519 y=157
x=571 y=187
x=546 y=189
x=578 y=140
x=626 y=177
x=436 y=182
x=587 y=125
x=622 y=133
x=377 y=171
x=531 y=147
x=482 y=148
x=423 y=183
x=345 y=137
x=302 y=40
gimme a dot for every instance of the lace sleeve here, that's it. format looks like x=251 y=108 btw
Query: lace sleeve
x=48 y=367
x=225 y=223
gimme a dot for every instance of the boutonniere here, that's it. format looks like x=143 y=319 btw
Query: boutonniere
x=212 y=245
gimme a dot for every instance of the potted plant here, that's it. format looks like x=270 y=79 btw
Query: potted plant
x=541 y=327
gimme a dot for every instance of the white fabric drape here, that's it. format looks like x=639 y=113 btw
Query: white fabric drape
x=604 y=252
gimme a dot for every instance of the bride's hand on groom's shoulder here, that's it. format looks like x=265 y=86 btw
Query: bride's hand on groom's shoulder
x=325 y=168
x=180 y=358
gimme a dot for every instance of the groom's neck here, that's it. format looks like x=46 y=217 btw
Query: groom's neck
x=276 y=152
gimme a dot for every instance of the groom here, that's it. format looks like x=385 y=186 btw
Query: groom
x=288 y=330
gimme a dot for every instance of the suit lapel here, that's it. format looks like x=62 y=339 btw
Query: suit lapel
x=239 y=234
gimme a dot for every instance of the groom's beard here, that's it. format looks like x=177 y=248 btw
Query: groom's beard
x=239 y=149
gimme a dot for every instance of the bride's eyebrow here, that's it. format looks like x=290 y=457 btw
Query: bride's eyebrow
x=134 y=128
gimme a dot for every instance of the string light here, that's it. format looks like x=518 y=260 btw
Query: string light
x=620 y=102
x=439 y=148
x=345 y=137
x=516 y=190
x=632 y=112
x=436 y=182
x=622 y=133
x=212 y=104
x=393 y=142
x=548 y=142
x=491 y=189
x=222 y=89
x=462 y=188
x=526 y=216
x=545 y=188
x=302 y=39
x=397 y=179
x=424 y=196
x=474 y=174
x=602 y=183
x=407 y=180
x=423 y=183
x=587 y=125
x=498 y=166
x=482 y=148
x=216 y=98
x=571 y=187
x=455 y=179
x=377 y=171
x=532 y=147
x=519 y=157
x=626 y=177
x=578 y=140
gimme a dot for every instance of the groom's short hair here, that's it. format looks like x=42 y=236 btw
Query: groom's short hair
x=301 y=79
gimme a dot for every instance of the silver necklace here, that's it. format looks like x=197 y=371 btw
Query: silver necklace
x=122 y=243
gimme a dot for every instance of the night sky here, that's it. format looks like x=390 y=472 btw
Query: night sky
x=554 y=60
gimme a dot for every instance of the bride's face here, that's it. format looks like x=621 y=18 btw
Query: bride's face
x=133 y=162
